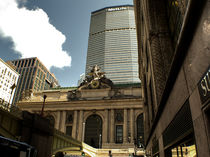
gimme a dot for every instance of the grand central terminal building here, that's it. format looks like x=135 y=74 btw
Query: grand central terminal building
x=99 y=113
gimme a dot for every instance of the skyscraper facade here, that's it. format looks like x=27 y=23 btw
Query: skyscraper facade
x=34 y=76
x=112 y=44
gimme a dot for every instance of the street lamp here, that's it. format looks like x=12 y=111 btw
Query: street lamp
x=12 y=89
x=44 y=97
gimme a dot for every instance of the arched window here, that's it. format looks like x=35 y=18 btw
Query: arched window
x=93 y=131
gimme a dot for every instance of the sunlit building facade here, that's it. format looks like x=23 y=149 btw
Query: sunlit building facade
x=8 y=81
x=104 y=118
x=112 y=44
x=34 y=76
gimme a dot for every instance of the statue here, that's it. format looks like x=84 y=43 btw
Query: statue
x=96 y=80
x=95 y=73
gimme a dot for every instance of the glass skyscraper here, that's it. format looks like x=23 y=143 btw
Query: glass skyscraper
x=112 y=44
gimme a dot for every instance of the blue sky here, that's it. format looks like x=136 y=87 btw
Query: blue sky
x=58 y=29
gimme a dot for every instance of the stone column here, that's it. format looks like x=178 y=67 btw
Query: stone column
x=74 y=129
x=63 y=121
x=83 y=131
x=131 y=125
x=105 y=127
x=125 y=127
x=112 y=127
x=57 y=121
x=79 y=136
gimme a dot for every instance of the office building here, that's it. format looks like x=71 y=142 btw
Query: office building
x=173 y=45
x=112 y=44
x=8 y=82
x=34 y=76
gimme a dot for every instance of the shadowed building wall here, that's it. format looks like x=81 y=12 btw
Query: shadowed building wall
x=174 y=58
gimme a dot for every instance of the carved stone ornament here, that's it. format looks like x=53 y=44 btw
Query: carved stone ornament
x=119 y=117
x=26 y=94
x=73 y=95
x=95 y=80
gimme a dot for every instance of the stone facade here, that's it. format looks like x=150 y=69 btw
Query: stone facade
x=174 y=58
x=74 y=111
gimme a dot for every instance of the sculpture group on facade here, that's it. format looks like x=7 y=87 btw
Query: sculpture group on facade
x=96 y=80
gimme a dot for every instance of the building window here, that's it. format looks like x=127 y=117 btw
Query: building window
x=176 y=10
x=22 y=63
x=69 y=119
x=69 y=130
x=184 y=149
x=18 y=64
x=38 y=72
x=32 y=64
x=29 y=62
x=119 y=133
x=26 y=61
x=5 y=71
x=140 y=129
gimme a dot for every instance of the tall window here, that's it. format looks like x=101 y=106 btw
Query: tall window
x=69 y=123
x=22 y=61
x=18 y=64
x=26 y=61
x=119 y=133
x=140 y=129
x=32 y=64
x=69 y=130
x=176 y=10
x=29 y=62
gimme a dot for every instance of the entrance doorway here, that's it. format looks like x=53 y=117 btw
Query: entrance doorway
x=93 y=131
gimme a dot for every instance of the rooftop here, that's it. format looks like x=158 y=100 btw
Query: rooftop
x=128 y=5
x=115 y=86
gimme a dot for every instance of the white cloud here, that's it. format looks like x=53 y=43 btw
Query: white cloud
x=32 y=34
